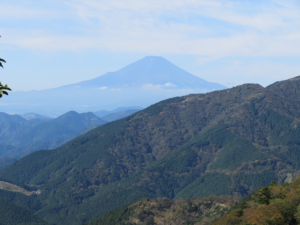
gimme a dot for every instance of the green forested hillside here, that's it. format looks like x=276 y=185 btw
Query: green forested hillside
x=13 y=214
x=224 y=142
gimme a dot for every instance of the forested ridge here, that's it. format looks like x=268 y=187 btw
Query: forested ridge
x=228 y=142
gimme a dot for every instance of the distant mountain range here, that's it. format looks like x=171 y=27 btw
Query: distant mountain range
x=228 y=142
x=20 y=136
x=142 y=83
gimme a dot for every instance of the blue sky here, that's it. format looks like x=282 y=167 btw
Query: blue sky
x=52 y=43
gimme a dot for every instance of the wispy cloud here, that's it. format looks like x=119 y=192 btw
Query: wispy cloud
x=163 y=27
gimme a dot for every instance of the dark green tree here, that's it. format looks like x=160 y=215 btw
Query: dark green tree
x=1 y=60
x=264 y=195
x=3 y=88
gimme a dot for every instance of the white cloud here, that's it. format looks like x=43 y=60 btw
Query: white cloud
x=170 y=85
x=102 y=88
x=157 y=86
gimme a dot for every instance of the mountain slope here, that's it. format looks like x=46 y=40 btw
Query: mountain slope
x=13 y=214
x=225 y=142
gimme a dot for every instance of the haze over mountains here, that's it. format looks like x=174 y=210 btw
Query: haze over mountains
x=30 y=116
x=141 y=83
x=122 y=110
x=20 y=136
x=224 y=142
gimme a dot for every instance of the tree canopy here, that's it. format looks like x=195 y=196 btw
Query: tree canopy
x=3 y=88
x=1 y=60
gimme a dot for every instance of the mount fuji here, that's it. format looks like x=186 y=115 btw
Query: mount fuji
x=141 y=83
x=150 y=72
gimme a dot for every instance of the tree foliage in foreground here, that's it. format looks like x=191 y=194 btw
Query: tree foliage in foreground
x=3 y=88
x=180 y=212
x=273 y=205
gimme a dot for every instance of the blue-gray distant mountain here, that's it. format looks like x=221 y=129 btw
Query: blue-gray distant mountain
x=19 y=137
x=141 y=83
x=150 y=72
